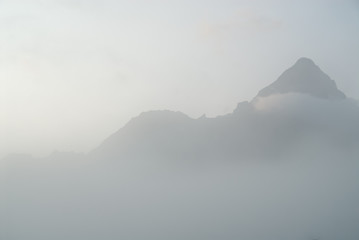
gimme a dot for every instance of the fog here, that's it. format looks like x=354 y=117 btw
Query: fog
x=73 y=72
x=307 y=189
x=310 y=196
x=192 y=120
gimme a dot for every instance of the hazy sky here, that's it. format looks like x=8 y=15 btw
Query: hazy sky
x=74 y=71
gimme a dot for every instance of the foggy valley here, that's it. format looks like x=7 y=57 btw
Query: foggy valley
x=282 y=166
x=179 y=120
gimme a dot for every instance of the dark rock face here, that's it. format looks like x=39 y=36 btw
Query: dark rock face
x=304 y=77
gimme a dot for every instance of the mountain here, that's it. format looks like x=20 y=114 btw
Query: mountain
x=297 y=108
x=284 y=166
x=304 y=77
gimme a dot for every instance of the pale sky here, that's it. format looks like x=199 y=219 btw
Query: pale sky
x=73 y=72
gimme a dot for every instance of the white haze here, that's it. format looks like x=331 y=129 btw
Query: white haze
x=85 y=78
x=311 y=192
x=307 y=197
x=73 y=72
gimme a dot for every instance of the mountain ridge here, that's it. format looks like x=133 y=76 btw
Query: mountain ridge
x=247 y=132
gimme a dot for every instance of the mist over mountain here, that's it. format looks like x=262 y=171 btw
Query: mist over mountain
x=282 y=166
x=303 y=104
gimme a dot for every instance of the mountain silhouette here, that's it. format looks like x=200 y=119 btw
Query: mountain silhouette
x=304 y=77
x=305 y=111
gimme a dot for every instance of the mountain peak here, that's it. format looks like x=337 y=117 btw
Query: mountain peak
x=305 y=61
x=304 y=77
